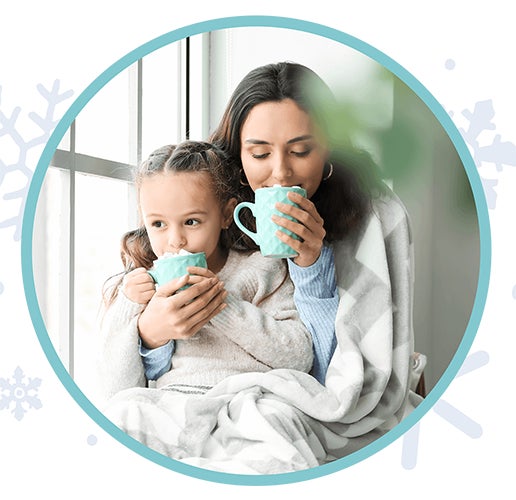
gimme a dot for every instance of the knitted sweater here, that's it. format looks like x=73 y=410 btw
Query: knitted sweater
x=317 y=300
x=259 y=330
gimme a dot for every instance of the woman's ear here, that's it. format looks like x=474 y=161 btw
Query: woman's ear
x=227 y=212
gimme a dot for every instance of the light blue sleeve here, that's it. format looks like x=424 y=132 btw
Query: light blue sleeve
x=317 y=299
x=156 y=361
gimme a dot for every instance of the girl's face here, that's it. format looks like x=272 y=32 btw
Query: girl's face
x=279 y=146
x=180 y=211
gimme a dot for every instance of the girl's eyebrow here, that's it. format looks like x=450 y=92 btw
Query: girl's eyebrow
x=290 y=141
x=195 y=212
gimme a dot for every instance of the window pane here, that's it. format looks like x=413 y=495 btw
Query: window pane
x=161 y=98
x=50 y=257
x=103 y=213
x=65 y=141
x=103 y=126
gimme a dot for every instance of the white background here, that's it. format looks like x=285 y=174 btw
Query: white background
x=58 y=450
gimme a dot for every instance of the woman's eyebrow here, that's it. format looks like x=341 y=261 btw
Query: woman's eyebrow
x=300 y=138
x=255 y=141
x=290 y=141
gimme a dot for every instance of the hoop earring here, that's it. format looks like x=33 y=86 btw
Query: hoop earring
x=329 y=174
x=241 y=181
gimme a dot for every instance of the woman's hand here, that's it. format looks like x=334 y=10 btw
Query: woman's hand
x=138 y=286
x=309 y=227
x=173 y=314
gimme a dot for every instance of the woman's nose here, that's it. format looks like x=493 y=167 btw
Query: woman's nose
x=281 y=171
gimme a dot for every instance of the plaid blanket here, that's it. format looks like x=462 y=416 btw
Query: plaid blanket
x=284 y=420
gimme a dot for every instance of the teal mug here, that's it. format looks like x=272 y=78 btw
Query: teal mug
x=262 y=209
x=166 y=269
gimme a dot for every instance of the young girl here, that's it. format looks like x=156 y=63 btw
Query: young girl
x=237 y=316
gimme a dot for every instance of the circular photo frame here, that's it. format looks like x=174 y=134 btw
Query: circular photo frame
x=442 y=380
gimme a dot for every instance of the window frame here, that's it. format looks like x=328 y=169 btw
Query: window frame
x=192 y=120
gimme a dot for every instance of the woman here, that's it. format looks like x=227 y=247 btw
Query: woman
x=273 y=126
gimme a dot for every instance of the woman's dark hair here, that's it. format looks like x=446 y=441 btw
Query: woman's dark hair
x=189 y=156
x=343 y=199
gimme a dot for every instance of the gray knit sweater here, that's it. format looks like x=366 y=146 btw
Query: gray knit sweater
x=259 y=330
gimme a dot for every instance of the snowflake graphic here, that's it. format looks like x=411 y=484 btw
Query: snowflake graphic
x=10 y=129
x=448 y=412
x=496 y=152
x=19 y=393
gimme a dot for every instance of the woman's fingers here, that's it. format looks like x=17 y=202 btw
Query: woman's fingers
x=306 y=205
x=293 y=226
x=304 y=230
x=307 y=225
x=312 y=221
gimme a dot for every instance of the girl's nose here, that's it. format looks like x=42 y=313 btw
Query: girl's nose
x=176 y=240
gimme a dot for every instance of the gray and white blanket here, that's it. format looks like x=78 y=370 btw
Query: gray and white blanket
x=284 y=420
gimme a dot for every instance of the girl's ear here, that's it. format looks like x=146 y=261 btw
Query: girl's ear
x=227 y=212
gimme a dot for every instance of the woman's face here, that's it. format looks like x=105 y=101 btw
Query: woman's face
x=279 y=146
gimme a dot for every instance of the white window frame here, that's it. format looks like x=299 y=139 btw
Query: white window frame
x=193 y=105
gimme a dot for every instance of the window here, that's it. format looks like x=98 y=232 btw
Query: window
x=87 y=200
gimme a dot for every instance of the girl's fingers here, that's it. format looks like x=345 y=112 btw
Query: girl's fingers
x=202 y=321
x=146 y=296
x=210 y=286
x=192 y=305
x=172 y=286
x=138 y=277
x=138 y=270
x=144 y=281
x=200 y=271
x=195 y=315
x=207 y=312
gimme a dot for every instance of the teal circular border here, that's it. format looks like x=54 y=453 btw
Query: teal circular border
x=275 y=22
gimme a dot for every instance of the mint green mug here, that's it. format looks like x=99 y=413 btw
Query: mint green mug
x=166 y=269
x=262 y=209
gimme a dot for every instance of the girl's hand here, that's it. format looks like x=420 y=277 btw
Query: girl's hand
x=138 y=286
x=170 y=315
x=309 y=227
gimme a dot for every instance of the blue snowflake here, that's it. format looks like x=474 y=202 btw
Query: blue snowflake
x=20 y=392
x=8 y=128
x=448 y=412
x=497 y=152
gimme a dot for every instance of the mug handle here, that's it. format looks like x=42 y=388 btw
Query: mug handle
x=153 y=274
x=236 y=211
